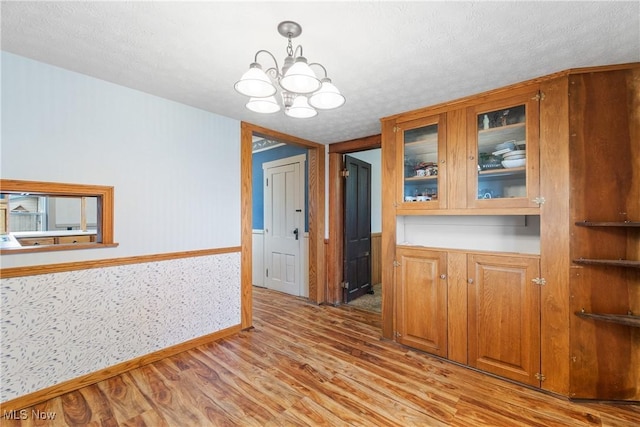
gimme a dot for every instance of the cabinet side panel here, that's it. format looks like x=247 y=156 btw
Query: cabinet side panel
x=633 y=198
x=604 y=163
x=554 y=235
x=633 y=208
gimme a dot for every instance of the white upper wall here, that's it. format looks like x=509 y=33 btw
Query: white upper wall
x=175 y=169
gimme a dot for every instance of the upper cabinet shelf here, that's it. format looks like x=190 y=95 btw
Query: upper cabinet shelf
x=494 y=136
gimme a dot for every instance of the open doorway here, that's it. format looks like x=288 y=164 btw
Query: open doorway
x=315 y=213
x=280 y=221
x=370 y=150
x=362 y=230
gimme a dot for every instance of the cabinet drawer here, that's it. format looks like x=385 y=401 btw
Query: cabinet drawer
x=35 y=241
x=73 y=239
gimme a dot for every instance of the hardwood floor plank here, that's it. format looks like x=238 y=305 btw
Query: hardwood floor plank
x=76 y=409
x=272 y=363
x=408 y=390
x=126 y=399
x=306 y=413
x=310 y=365
x=312 y=379
x=166 y=399
x=256 y=382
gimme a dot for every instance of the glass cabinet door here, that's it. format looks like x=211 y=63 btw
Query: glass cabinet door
x=422 y=156
x=503 y=166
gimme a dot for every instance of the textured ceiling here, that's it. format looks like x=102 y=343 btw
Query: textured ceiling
x=385 y=57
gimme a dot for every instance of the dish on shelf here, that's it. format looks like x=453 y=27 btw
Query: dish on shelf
x=503 y=151
x=511 y=145
x=515 y=155
x=508 y=164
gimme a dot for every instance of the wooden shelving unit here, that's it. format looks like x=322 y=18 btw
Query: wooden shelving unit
x=608 y=262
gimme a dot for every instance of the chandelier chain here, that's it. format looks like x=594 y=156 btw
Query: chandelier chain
x=289 y=46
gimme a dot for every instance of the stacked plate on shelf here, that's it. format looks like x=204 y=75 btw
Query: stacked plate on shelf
x=513 y=154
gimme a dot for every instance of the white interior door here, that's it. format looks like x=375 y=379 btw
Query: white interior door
x=284 y=224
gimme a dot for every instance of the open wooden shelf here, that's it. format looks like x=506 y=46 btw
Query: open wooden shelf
x=499 y=172
x=608 y=223
x=623 y=319
x=421 y=178
x=608 y=262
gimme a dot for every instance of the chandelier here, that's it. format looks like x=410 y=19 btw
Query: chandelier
x=302 y=92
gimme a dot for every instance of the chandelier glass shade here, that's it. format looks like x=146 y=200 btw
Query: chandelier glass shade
x=255 y=82
x=301 y=91
x=264 y=105
x=300 y=108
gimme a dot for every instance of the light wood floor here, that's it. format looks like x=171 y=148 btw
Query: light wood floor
x=314 y=365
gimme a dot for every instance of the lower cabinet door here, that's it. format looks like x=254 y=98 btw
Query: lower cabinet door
x=504 y=316
x=422 y=299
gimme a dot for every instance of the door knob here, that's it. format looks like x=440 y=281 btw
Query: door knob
x=295 y=232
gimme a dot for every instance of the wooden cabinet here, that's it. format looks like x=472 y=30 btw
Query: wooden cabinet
x=37 y=241
x=504 y=316
x=73 y=239
x=422 y=163
x=581 y=133
x=57 y=240
x=481 y=155
x=422 y=299
x=496 y=319
x=503 y=152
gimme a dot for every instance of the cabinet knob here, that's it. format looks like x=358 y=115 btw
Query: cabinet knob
x=471 y=157
x=443 y=276
x=470 y=281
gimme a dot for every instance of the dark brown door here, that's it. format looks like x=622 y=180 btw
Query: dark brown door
x=357 y=229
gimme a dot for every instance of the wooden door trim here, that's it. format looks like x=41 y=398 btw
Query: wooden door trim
x=316 y=165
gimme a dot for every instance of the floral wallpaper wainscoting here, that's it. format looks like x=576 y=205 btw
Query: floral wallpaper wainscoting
x=60 y=326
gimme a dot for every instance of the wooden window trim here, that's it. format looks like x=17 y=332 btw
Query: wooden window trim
x=105 y=210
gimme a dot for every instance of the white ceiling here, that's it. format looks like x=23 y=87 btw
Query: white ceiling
x=385 y=57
